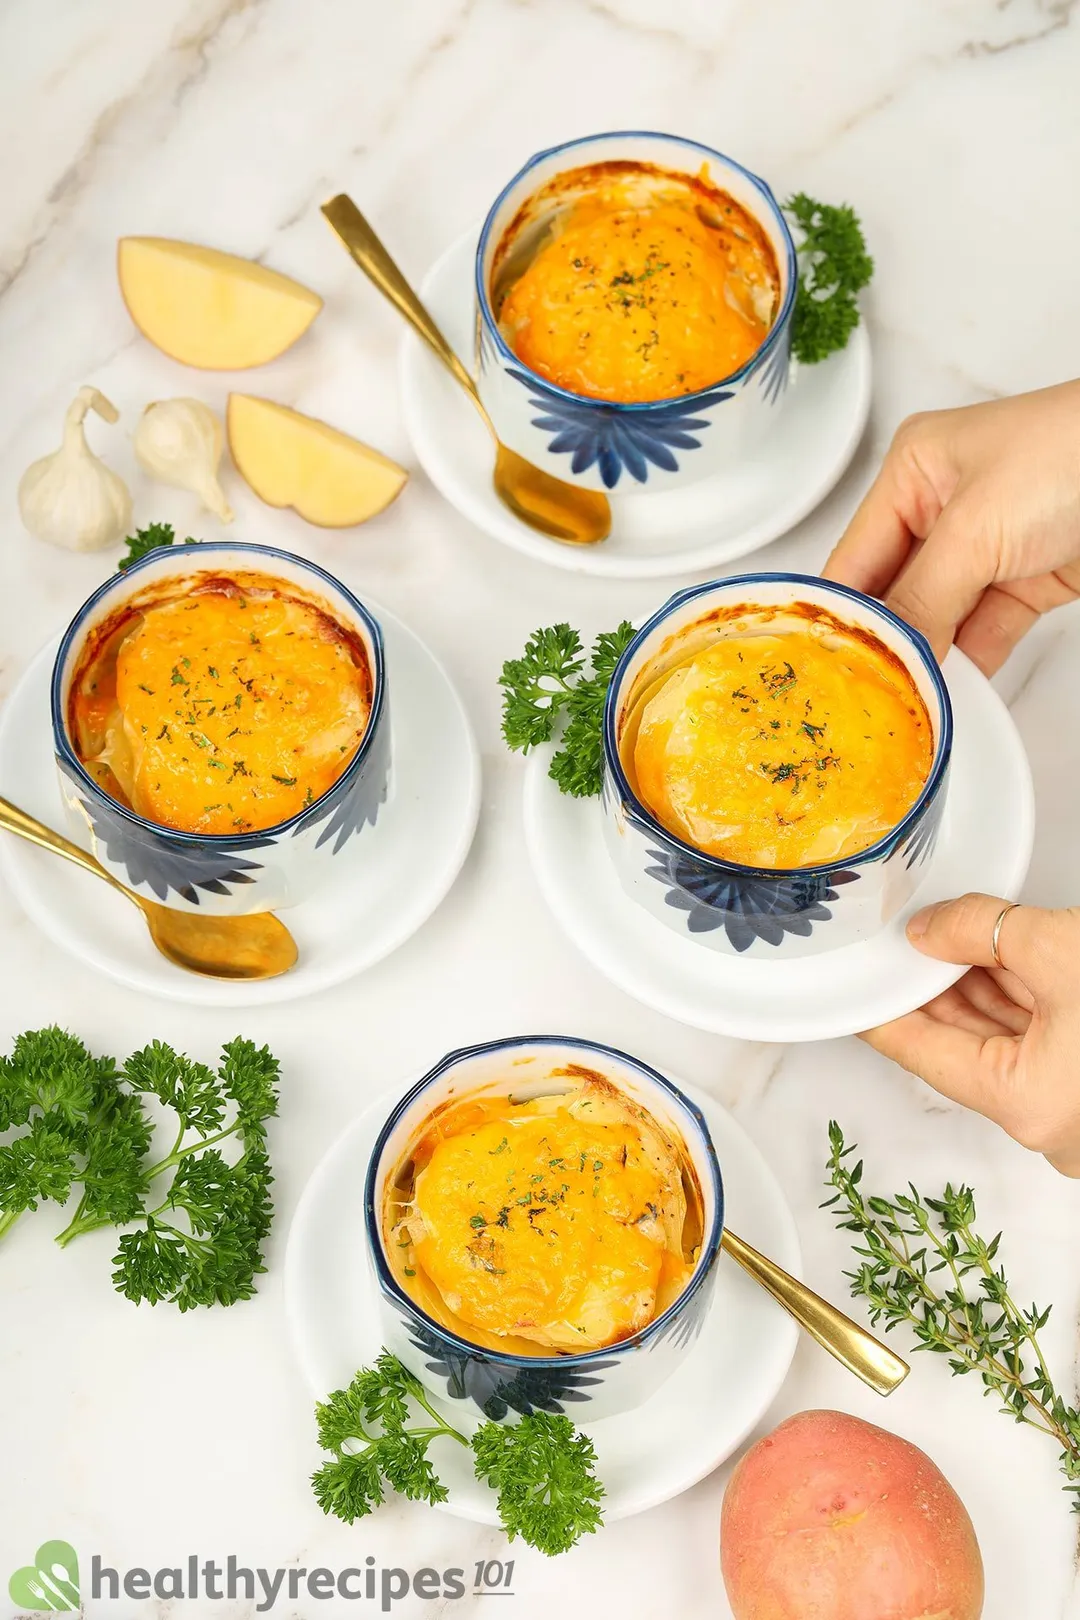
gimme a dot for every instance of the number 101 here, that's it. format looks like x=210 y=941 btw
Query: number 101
x=493 y=1573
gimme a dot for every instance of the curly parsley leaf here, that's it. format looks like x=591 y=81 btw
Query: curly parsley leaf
x=51 y=1084
x=51 y=1071
x=547 y=684
x=113 y=1173
x=541 y=1467
x=834 y=266
x=538 y=684
x=352 y=1486
x=35 y=1168
x=542 y=1470
x=188 y=1088
x=249 y=1075
x=144 y=541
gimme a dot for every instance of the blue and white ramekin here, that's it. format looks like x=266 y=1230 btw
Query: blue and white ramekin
x=224 y=874
x=589 y=1386
x=648 y=446
x=758 y=912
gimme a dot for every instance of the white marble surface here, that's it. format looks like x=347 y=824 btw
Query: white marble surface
x=953 y=126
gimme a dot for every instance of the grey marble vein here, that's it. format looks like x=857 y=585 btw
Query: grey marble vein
x=1056 y=15
x=186 y=63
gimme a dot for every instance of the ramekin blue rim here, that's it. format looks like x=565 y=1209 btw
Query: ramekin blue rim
x=629 y=407
x=710 y=1246
x=877 y=851
x=234 y=841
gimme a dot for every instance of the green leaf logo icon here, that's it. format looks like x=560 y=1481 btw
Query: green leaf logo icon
x=51 y=1582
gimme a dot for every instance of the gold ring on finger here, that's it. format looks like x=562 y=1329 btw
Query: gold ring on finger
x=995 y=937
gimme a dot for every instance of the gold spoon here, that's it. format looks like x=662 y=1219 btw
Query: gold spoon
x=255 y=947
x=858 y=1350
x=580 y=517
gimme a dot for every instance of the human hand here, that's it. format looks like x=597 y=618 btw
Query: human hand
x=1005 y=1040
x=971 y=529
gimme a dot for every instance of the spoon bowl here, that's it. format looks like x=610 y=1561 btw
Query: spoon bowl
x=253 y=947
x=577 y=517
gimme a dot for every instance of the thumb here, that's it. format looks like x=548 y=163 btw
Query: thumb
x=962 y=931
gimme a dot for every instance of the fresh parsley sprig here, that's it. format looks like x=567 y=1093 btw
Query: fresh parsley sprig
x=923 y=1264
x=144 y=541
x=548 y=686
x=198 y=1220
x=834 y=266
x=540 y=1467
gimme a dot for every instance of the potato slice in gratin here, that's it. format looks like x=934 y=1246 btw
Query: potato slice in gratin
x=227 y=709
x=558 y=1221
x=782 y=750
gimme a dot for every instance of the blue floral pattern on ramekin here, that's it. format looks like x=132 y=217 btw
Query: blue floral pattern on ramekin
x=353 y=802
x=747 y=908
x=775 y=372
x=612 y=439
x=919 y=844
x=151 y=858
x=497 y=1387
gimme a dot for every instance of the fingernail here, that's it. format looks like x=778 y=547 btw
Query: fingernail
x=918 y=925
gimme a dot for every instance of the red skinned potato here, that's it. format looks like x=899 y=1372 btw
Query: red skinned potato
x=830 y=1518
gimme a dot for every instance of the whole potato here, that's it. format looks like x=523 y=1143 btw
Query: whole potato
x=830 y=1518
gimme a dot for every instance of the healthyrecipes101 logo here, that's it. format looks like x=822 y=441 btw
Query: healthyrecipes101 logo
x=51 y=1582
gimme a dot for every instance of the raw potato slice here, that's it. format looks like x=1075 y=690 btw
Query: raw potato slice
x=211 y=309
x=293 y=460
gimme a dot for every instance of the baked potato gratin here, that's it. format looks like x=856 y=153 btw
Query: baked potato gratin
x=790 y=741
x=558 y=1223
x=220 y=705
x=644 y=284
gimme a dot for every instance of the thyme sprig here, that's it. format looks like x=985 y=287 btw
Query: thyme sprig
x=923 y=1264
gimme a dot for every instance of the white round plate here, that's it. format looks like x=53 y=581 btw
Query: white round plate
x=671 y=532
x=688 y=1428
x=985 y=843
x=386 y=883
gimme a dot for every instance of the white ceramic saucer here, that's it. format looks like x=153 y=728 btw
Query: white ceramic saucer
x=652 y=536
x=985 y=843
x=390 y=879
x=695 y=1421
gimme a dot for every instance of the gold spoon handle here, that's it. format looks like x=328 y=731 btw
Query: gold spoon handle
x=362 y=243
x=858 y=1350
x=16 y=821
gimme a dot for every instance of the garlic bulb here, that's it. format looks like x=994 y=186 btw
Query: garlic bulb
x=71 y=498
x=179 y=441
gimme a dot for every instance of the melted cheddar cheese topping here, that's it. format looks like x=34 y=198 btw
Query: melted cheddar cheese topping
x=643 y=303
x=784 y=750
x=558 y=1221
x=225 y=710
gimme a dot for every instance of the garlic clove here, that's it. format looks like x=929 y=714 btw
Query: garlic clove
x=179 y=442
x=71 y=498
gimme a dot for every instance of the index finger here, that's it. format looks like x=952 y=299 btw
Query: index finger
x=876 y=543
x=971 y=1069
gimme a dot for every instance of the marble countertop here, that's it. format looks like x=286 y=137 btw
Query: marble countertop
x=952 y=125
